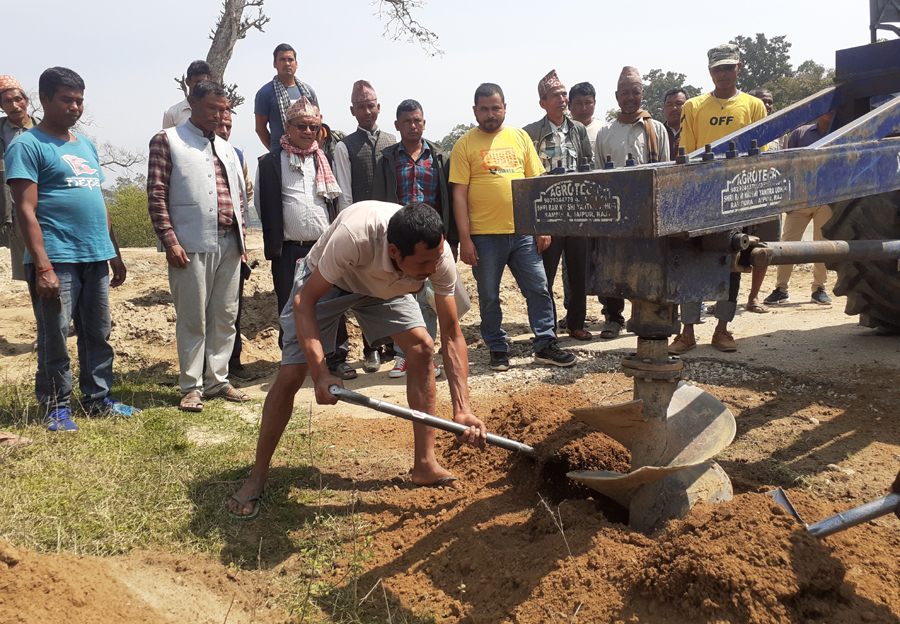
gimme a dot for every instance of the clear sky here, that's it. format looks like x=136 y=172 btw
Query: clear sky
x=129 y=52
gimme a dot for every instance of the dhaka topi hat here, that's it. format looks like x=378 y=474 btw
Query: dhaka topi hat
x=302 y=108
x=629 y=76
x=362 y=91
x=549 y=83
x=8 y=82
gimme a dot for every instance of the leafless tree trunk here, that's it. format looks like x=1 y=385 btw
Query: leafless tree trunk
x=232 y=26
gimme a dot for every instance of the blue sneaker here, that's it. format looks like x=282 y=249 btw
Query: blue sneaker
x=60 y=419
x=778 y=296
x=821 y=297
x=111 y=407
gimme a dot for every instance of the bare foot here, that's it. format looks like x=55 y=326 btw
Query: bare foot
x=249 y=493
x=430 y=475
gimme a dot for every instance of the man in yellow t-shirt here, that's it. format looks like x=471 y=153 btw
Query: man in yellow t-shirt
x=704 y=119
x=708 y=117
x=483 y=164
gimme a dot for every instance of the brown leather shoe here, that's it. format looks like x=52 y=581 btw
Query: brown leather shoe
x=724 y=341
x=682 y=344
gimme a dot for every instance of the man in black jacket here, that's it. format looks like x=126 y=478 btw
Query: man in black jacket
x=296 y=205
x=415 y=170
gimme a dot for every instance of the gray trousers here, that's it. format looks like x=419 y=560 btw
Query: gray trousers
x=206 y=304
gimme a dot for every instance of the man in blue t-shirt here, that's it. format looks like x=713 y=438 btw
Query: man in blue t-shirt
x=274 y=98
x=55 y=178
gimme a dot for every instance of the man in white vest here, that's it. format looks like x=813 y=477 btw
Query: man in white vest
x=196 y=195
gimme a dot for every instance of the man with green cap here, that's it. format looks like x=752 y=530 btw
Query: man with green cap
x=705 y=119
x=726 y=109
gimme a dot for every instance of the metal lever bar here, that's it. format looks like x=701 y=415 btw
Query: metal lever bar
x=432 y=421
x=845 y=519
x=824 y=251
x=857 y=515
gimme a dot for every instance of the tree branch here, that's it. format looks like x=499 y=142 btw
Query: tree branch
x=401 y=24
x=111 y=155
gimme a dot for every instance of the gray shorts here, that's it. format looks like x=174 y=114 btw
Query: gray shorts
x=379 y=319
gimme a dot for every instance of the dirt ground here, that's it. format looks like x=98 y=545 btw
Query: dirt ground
x=814 y=396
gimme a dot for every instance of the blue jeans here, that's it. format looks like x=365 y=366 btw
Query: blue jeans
x=428 y=315
x=520 y=254
x=84 y=299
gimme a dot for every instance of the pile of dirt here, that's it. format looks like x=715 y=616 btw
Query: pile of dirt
x=143 y=588
x=63 y=588
x=742 y=561
x=506 y=550
x=541 y=419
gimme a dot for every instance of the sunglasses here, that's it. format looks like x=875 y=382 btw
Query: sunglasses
x=303 y=127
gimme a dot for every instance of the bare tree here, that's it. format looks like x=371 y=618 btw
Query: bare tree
x=111 y=155
x=400 y=24
x=233 y=25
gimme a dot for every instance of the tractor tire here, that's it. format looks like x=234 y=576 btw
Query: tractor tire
x=872 y=287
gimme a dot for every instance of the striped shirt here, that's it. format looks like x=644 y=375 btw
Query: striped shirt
x=305 y=213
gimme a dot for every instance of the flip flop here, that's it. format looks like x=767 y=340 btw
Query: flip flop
x=443 y=482
x=611 y=331
x=757 y=307
x=253 y=513
x=344 y=371
x=191 y=402
x=230 y=394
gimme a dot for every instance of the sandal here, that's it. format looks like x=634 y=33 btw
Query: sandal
x=580 y=334
x=757 y=307
x=253 y=512
x=230 y=394
x=343 y=371
x=191 y=402
x=611 y=331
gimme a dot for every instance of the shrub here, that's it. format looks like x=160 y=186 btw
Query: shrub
x=127 y=205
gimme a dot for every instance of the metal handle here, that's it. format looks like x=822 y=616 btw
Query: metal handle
x=416 y=416
x=857 y=515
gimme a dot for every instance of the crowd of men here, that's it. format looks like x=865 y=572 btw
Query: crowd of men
x=362 y=223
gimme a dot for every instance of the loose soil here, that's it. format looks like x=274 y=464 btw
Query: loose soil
x=813 y=395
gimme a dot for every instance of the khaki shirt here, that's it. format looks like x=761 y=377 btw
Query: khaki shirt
x=353 y=255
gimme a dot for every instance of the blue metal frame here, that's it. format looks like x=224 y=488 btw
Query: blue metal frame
x=875 y=124
x=780 y=123
x=703 y=197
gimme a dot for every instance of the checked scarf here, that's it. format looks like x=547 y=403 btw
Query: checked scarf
x=284 y=100
x=326 y=185
x=652 y=140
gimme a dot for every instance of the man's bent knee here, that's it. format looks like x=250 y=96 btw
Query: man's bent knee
x=290 y=378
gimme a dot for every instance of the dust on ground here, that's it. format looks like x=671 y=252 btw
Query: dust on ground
x=813 y=395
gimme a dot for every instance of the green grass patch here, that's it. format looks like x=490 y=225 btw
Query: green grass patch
x=160 y=479
x=157 y=479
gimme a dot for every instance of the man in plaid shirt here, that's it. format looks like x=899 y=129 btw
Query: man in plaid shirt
x=416 y=170
x=196 y=195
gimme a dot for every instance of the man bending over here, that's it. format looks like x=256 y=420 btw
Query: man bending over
x=371 y=260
